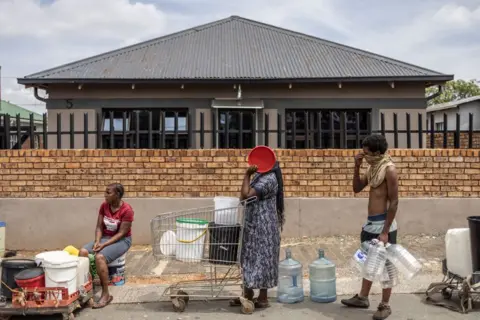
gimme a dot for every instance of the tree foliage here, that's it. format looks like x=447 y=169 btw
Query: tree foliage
x=454 y=90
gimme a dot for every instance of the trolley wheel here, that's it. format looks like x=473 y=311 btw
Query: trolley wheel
x=247 y=306
x=179 y=305
x=183 y=295
x=447 y=293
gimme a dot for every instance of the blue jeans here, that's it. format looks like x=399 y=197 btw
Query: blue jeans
x=113 y=251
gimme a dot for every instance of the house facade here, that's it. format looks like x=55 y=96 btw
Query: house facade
x=232 y=83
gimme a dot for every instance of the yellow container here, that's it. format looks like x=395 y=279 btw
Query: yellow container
x=72 y=250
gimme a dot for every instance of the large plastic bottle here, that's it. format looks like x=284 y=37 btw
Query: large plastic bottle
x=375 y=262
x=323 y=281
x=290 y=280
x=403 y=261
x=390 y=275
x=360 y=256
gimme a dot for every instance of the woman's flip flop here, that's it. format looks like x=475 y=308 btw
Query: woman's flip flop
x=98 y=305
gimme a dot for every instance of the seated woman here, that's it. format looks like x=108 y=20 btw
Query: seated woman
x=112 y=236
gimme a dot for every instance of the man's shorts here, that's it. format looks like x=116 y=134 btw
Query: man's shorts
x=374 y=226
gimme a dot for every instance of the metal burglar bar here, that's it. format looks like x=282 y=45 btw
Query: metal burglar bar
x=317 y=129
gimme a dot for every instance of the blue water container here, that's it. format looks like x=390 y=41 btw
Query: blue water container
x=290 y=280
x=323 y=280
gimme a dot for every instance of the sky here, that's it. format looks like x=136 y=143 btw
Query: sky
x=39 y=34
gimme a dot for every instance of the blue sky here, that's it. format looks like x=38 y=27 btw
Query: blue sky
x=39 y=34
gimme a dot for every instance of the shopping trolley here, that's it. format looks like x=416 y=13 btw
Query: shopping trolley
x=199 y=252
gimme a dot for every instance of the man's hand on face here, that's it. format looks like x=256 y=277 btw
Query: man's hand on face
x=359 y=159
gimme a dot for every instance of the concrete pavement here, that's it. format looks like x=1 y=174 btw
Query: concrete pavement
x=405 y=307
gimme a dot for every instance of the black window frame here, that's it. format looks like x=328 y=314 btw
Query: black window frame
x=243 y=138
x=343 y=138
x=160 y=118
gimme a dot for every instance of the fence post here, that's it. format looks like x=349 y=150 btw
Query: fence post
x=279 y=130
x=420 y=130
x=137 y=130
x=357 y=129
x=332 y=131
x=382 y=123
x=266 y=131
x=112 y=135
x=7 y=131
x=305 y=137
x=226 y=130
x=395 y=130
x=214 y=129
x=72 y=131
x=150 y=137
x=319 y=130
x=294 y=130
x=202 y=130
x=45 y=131
x=470 y=130
x=409 y=132
x=343 y=130
x=190 y=130
x=445 y=131
x=59 y=131
x=85 y=130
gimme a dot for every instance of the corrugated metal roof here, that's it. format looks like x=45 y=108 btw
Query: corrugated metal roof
x=235 y=48
x=452 y=104
x=12 y=110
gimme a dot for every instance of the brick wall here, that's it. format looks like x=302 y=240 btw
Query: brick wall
x=206 y=173
x=451 y=140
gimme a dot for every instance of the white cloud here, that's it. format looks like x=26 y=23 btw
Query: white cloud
x=440 y=35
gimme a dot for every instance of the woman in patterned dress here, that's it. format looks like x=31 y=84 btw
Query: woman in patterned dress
x=264 y=220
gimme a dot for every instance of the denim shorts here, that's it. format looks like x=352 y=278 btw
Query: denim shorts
x=113 y=251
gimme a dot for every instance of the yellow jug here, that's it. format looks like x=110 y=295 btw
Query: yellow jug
x=72 y=250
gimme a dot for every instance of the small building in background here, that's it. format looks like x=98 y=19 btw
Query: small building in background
x=445 y=118
x=12 y=111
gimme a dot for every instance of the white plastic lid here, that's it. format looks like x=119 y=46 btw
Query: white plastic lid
x=168 y=243
x=60 y=260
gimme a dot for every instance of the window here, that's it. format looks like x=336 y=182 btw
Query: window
x=175 y=123
x=297 y=121
x=439 y=126
x=241 y=128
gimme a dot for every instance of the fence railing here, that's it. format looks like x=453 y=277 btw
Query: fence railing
x=327 y=130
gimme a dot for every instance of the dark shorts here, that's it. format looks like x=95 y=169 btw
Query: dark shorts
x=367 y=236
x=113 y=251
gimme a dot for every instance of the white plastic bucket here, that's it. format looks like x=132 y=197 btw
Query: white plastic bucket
x=119 y=262
x=83 y=271
x=39 y=258
x=61 y=271
x=226 y=210
x=191 y=234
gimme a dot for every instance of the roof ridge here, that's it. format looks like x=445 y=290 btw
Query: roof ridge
x=133 y=47
x=334 y=44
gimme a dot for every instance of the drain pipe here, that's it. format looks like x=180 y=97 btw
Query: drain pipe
x=35 y=94
x=436 y=94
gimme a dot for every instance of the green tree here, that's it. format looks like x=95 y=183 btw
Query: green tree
x=454 y=90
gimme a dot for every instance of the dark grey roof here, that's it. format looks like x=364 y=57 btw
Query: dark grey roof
x=238 y=49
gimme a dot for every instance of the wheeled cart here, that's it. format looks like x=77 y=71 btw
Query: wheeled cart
x=47 y=301
x=454 y=292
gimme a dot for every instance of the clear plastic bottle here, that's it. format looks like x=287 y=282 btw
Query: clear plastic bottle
x=375 y=262
x=390 y=275
x=290 y=280
x=403 y=261
x=323 y=280
x=360 y=256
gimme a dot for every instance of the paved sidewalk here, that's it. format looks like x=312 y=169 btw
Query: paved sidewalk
x=405 y=307
x=142 y=268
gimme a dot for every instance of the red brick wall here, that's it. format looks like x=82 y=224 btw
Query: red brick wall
x=451 y=140
x=206 y=173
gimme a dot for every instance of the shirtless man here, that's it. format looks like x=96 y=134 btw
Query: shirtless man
x=382 y=178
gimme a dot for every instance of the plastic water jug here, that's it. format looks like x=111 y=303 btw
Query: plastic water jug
x=457 y=249
x=290 y=280
x=403 y=261
x=226 y=210
x=360 y=256
x=390 y=275
x=323 y=286
x=375 y=262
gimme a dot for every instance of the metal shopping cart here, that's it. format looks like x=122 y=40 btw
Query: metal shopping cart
x=200 y=250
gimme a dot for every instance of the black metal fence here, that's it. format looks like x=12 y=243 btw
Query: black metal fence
x=298 y=129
